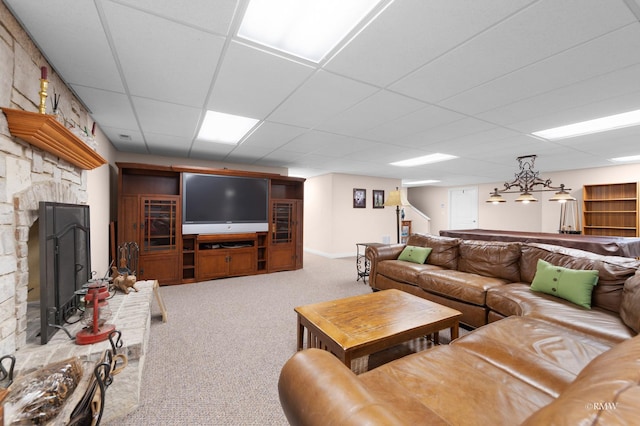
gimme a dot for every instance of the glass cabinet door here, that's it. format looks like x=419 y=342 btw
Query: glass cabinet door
x=159 y=224
x=282 y=227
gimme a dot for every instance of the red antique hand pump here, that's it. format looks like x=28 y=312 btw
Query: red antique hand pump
x=95 y=318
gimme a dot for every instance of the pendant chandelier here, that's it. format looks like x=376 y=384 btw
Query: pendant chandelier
x=527 y=181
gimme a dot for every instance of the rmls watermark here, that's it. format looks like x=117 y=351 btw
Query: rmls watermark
x=601 y=406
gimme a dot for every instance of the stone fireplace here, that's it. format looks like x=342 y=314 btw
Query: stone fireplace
x=26 y=212
x=33 y=178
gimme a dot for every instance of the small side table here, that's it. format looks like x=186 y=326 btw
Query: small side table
x=362 y=263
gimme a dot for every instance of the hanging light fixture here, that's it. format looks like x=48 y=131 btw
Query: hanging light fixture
x=527 y=181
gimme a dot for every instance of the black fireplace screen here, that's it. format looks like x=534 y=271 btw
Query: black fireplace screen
x=65 y=262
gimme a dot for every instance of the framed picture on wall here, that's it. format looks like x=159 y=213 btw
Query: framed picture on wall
x=378 y=199
x=359 y=198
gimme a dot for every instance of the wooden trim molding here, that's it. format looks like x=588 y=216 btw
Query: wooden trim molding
x=46 y=133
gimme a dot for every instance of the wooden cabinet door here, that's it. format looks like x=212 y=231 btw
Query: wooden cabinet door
x=282 y=245
x=212 y=264
x=129 y=219
x=158 y=229
x=242 y=261
x=159 y=267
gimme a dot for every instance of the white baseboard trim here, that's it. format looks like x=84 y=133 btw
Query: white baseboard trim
x=329 y=255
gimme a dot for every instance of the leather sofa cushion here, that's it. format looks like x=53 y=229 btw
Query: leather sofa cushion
x=490 y=259
x=553 y=355
x=317 y=389
x=518 y=299
x=606 y=392
x=465 y=286
x=456 y=385
x=630 y=306
x=612 y=270
x=444 y=249
x=403 y=271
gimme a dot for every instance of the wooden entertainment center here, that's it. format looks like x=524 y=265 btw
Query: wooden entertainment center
x=150 y=213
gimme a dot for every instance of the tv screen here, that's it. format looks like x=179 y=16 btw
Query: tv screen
x=221 y=204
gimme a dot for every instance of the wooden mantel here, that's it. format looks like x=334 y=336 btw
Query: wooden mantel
x=45 y=132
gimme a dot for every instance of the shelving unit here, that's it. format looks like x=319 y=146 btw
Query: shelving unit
x=611 y=210
x=188 y=258
x=262 y=252
x=150 y=213
x=405 y=231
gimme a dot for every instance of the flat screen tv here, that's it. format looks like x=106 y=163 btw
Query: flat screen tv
x=215 y=204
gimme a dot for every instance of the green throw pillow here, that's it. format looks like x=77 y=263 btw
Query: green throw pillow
x=570 y=284
x=415 y=254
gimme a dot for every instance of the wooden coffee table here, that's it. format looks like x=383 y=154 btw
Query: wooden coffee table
x=362 y=325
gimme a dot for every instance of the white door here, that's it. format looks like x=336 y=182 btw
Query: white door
x=463 y=208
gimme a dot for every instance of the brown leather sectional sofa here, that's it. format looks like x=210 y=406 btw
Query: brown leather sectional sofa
x=535 y=359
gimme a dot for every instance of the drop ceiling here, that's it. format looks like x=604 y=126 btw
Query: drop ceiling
x=467 y=78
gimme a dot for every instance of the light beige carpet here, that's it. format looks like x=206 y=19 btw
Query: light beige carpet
x=217 y=359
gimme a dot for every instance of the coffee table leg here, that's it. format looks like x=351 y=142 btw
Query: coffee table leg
x=347 y=360
x=454 y=331
x=300 y=334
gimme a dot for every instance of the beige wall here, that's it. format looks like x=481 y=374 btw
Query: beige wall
x=332 y=226
x=543 y=216
x=101 y=205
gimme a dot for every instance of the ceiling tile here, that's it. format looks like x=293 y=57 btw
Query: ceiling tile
x=321 y=97
x=418 y=121
x=168 y=61
x=545 y=108
x=445 y=132
x=272 y=135
x=168 y=119
x=250 y=82
x=414 y=32
x=108 y=108
x=210 y=150
x=539 y=31
x=213 y=16
x=125 y=140
x=380 y=108
x=168 y=145
x=606 y=54
x=80 y=52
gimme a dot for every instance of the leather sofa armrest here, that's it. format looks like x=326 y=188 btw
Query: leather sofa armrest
x=317 y=389
x=376 y=254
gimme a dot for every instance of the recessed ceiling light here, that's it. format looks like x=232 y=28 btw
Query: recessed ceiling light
x=425 y=159
x=617 y=121
x=308 y=29
x=225 y=128
x=628 y=159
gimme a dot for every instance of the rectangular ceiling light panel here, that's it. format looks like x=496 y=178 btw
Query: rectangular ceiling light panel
x=308 y=29
x=629 y=159
x=618 y=121
x=425 y=159
x=225 y=128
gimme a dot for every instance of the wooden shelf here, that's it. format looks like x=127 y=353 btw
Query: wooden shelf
x=611 y=209
x=46 y=133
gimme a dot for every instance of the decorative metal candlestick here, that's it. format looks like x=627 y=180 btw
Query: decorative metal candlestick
x=44 y=83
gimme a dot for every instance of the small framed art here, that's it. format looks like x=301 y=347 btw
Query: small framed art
x=378 y=199
x=359 y=198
